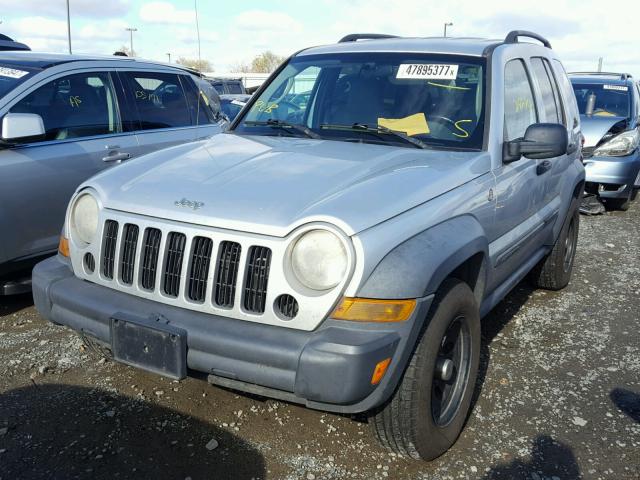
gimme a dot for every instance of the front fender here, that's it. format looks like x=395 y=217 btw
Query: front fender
x=416 y=267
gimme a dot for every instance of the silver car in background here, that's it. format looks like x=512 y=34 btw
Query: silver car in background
x=609 y=105
x=65 y=118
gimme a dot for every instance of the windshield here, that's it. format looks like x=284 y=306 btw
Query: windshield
x=435 y=99
x=602 y=99
x=13 y=75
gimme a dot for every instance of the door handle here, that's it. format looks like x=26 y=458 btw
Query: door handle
x=543 y=167
x=116 y=157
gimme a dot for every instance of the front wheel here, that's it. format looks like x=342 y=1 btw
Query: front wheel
x=430 y=406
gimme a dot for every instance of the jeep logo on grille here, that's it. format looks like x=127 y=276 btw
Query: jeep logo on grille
x=189 y=204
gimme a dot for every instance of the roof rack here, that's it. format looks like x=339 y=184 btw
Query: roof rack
x=512 y=37
x=354 y=37
x=623 y=76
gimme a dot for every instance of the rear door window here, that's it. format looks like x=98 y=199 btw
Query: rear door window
x=158 y=98
x=569 y=97
x=519 y=104
x=74 y=106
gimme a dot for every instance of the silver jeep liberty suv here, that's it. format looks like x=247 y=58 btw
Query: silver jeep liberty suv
x=338 y=246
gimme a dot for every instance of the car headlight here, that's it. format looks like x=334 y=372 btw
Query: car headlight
x=84 y=218
x=620 y=145
x=319 y=260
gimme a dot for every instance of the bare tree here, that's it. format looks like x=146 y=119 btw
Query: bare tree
x=200 y=65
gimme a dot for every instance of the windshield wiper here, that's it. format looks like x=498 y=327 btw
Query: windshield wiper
x=378 y=130
x=273 y=123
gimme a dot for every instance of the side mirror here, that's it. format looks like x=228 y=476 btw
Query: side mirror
x=541 y=140
x=22 y=126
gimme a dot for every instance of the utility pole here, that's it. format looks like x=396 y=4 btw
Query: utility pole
x=600 y=64
x=69 y=26
x=447 y=24
x=131 y=30
x=169 y=56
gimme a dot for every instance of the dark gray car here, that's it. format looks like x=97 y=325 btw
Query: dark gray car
x=64 y=119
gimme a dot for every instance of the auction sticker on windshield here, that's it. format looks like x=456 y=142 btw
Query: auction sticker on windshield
x=621 y=88
x=12 y=72
x=430 y=71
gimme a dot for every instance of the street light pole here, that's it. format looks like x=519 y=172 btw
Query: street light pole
x=169 y=55
x=69 y=26
x=131 y=30
x=447 y=24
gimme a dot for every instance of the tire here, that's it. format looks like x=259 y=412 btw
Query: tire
x=418 y=421
x=621 y=204
x=554 y=271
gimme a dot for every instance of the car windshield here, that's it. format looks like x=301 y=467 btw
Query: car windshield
x=433 y=101
x=13 y=75
x=603 y=99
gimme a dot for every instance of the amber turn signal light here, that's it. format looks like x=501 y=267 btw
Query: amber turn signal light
x=379 y=371
x=373 y=310
x=63 y=247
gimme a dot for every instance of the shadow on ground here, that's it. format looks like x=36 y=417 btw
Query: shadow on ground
x=13 y=303
x=549 y=459
x=63 y=432
x=627 y=402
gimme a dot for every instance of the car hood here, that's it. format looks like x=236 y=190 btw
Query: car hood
x=270 y=185
x=595 y=127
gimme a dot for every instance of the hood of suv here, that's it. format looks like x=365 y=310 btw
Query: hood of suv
x=270 y=185
x=595 y=127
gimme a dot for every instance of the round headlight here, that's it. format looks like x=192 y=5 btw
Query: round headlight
x=319 y=260
x=84 y=218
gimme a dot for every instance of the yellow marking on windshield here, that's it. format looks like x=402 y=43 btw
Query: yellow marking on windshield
x=464 y=133
x=75 y=101
x=415 y=124
x=452 y=87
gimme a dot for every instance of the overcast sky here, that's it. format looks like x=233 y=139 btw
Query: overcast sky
x=231 y=32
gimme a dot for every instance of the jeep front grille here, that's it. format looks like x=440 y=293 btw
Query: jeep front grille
x=109 y=248
x=199 y=268
x=127 y=262
x=186 y=262
x=255 y=288
x=227 y=275
x=173 y=263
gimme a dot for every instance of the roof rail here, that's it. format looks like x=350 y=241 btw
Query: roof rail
x=512 y=37
x=354 y=37
x=623 y=76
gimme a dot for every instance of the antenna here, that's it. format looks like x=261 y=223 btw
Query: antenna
x=195 y=5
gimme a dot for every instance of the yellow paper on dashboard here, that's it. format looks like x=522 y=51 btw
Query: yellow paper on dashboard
x=415 y=124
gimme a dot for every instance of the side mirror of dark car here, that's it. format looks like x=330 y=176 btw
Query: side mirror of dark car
x=541 y=140
x=22 y=127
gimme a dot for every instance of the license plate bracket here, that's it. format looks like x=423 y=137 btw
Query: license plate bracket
x=152 y=344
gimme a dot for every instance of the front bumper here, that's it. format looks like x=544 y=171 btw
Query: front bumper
x=612 y=172
x=328 y=369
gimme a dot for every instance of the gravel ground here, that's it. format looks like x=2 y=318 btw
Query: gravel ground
x=558 y=397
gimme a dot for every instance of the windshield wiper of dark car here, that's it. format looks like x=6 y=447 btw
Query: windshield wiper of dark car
x=273 y=123
x=378 y=130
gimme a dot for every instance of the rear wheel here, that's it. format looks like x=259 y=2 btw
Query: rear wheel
x=554 y=271
x=429 y=409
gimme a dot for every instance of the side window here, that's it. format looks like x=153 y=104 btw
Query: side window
x=569 y=95
x=519 y=104
x=204 y=102
x=74 y=106
x=159 y=99
x=552 y=108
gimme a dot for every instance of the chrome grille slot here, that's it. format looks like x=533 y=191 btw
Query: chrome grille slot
x=128 y=254
x=150 y=251
x=109 y=248
x=255 y=285
x=173 y=263
x=199 y=268
x=227 y=274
